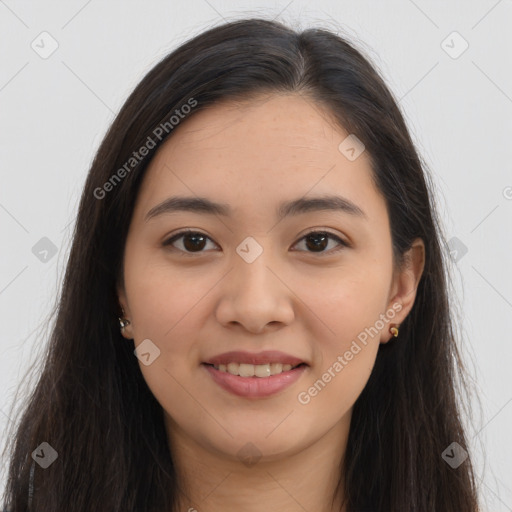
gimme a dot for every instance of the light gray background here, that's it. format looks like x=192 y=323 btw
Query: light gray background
x=54 y=112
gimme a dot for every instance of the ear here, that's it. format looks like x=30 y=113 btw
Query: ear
x=405 y=284
x=127 y=332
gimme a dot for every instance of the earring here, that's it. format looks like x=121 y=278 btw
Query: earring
x=394 y=331
x=123 y=322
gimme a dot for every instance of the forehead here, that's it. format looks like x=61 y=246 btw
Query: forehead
x=260 y=151
x=277 y=121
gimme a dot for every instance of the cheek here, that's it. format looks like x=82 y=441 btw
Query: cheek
x=164 y=306
x=347 y=334
x=346 y=355
x=346 y=303
x=162 y=298
x=333 y=391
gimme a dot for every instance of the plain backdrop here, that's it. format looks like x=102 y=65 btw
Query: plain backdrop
x=448 y=64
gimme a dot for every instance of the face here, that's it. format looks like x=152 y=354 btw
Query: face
x=307 y=285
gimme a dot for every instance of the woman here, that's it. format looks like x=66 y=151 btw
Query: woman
x=257 y=229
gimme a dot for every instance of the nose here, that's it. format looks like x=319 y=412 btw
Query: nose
x=255 y=296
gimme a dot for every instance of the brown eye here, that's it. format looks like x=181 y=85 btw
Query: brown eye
x=317 y=241
x=192 y=241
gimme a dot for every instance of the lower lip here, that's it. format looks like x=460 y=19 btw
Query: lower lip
x=255 y=387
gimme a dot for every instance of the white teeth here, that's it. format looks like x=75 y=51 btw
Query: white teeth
x=254 y=370
x=244 y=370
x=276 y=368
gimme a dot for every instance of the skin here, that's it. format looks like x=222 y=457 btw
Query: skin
x=253 y=155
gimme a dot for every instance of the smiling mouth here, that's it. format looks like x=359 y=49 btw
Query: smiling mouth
x=254 y=370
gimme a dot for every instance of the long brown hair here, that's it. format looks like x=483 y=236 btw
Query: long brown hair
x=91 y=403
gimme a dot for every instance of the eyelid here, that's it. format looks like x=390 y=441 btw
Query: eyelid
x=342 y=242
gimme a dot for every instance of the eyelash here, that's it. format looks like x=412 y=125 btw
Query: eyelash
x=330 y=235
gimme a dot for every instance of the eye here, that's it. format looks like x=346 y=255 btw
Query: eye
x=319 y=240
x=195 y=241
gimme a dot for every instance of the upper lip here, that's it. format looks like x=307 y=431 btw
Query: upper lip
x=267 y=356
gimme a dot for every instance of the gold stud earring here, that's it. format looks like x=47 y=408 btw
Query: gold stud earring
x=394 y=331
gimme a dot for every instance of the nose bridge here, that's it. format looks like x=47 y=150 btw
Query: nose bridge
x=255 y=295
x=252 y=269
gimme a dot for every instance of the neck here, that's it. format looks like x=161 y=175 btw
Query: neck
x=215 y=482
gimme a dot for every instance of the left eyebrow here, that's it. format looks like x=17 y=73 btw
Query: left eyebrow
x=295 y=207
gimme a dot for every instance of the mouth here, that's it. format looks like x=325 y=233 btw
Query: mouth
x=255 y=381
x=261 y=371
x=255 y=375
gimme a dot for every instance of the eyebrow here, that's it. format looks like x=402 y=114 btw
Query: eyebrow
x=288 y=208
